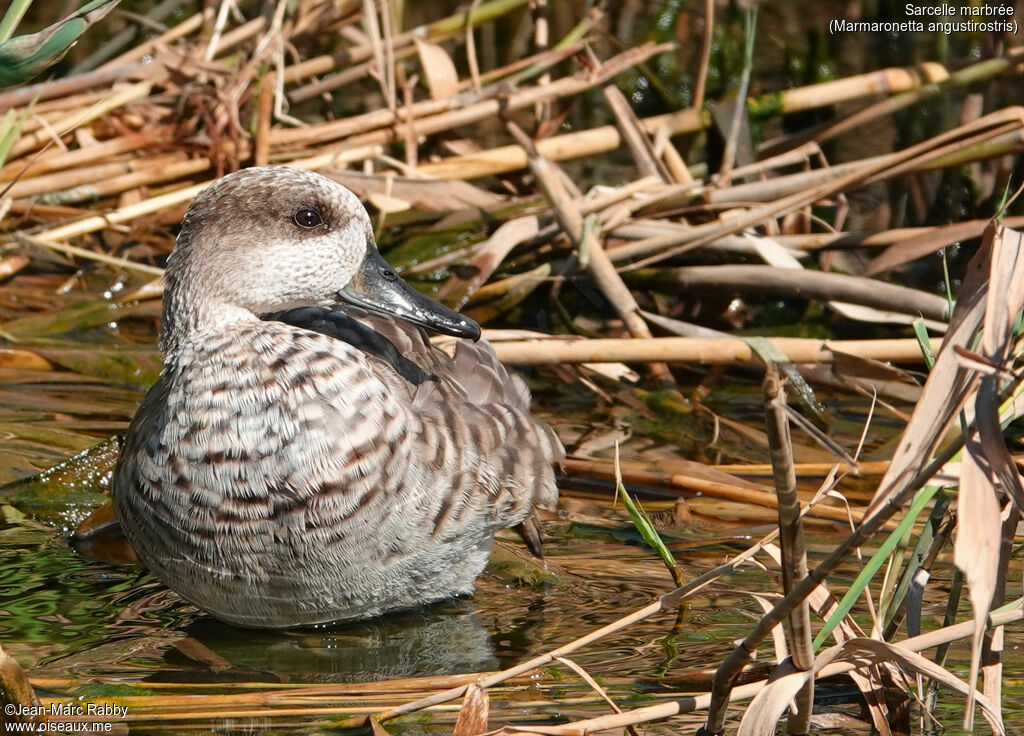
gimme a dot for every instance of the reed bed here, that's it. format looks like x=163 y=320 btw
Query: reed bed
x=636 y=281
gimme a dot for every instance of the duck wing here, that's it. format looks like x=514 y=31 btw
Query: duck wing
x=471 y=394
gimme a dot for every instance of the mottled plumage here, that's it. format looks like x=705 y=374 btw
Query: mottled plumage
x=313 y=466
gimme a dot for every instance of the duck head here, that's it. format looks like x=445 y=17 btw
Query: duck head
x=264 y=240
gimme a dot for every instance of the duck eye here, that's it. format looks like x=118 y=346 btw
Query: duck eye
x=307 y=218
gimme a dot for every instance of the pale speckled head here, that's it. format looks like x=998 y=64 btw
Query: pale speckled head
x=263 y=240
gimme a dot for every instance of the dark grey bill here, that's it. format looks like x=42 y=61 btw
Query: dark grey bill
x=377 y=288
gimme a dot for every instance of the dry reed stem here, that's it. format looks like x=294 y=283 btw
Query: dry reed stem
x=819 y=285
x=793 y=552
x=55 y=161
x=744 y=692
x=62 y=88
x=636 y=138
x=70 y=250
x=153 y=172
x=433 y=31
x=705 y=54
x=587 y=242
x=264 y=114
x=70 y=178
x=703 y=351
x=968 y=75
x=190 y=25
x=669 y=601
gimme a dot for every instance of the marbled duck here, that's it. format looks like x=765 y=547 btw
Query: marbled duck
x=298 y=462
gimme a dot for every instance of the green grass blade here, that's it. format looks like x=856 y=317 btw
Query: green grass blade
x=12 y=18
x=643 y=524
x=921 y=333
x=880 y=557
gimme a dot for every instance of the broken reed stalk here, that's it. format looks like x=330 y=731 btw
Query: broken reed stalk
x=76 y=252
x=297 y=695
x=793 y=562
x=689 y=704
x=434 y=116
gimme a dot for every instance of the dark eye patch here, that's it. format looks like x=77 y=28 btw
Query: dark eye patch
x=307 y=218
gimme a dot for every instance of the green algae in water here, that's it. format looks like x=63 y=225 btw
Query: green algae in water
x=67 y=493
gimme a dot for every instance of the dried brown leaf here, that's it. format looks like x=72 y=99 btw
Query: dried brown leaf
x=457 y=290
x=947 y=388
x=986 y=458
x=472 y=718
x=438 y=70
x=977 y=545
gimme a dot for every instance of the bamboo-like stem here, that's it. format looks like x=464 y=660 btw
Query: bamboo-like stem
x=170 y=170
x=53 y=185
x=700 y=350
x=59 y=160
x=59 y=88
x=986 y=69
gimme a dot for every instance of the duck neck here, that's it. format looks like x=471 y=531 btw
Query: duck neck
x=190 y=316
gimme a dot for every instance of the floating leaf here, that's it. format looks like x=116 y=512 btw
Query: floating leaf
x=24 y=57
